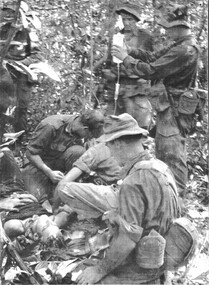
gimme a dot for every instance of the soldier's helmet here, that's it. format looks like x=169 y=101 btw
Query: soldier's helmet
x=175 y=15
x=129 y=6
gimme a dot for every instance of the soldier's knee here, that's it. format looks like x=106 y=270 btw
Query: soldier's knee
x=68 y=188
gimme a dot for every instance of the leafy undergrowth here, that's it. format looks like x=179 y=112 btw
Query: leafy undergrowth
x=196 y=202
x=53 y=263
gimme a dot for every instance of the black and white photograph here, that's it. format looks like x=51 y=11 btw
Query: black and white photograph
x=104 y=142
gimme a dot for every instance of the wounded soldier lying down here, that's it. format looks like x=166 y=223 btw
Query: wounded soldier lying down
x=14 y=199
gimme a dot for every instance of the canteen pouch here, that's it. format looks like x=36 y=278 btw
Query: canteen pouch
x=187 y=107
x=150 y=251
x=188 y=102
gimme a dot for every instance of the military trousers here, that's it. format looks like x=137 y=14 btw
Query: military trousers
x=172 y=151
x=130 y=101
x=89 y=200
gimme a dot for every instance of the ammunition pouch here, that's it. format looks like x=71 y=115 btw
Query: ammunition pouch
x=184 y=104
x=188 y=102
x=187 y=106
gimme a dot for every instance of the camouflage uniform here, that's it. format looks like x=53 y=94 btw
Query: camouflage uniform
x=58 y=148
x=176 y=103
x=58 y=145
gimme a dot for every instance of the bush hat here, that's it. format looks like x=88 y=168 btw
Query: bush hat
x=177 y=15
x=131 y=7
x=118 y=126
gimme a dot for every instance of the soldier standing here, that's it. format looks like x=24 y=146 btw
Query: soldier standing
x=131 y=97
x=178 y=101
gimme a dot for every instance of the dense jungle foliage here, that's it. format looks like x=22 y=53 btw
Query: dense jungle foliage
x=74 y=38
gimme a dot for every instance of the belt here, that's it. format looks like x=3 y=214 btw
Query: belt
x=175 y=91
x=128 y=81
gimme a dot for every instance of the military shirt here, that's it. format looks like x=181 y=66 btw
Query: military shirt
x=129 y=83
x=50 y=138
x=99 y=159
x=176 y=67
x=141 y=39
x=148 y=197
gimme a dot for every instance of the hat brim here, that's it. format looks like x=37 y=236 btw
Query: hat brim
x=129 y=10
x=110 y=137
x=167 y=25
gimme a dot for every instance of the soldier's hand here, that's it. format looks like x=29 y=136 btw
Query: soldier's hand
x=55 y=176
x=11 y=204
x=16 y=200
x=111 y=217
x=119 y=52
x=26 y=198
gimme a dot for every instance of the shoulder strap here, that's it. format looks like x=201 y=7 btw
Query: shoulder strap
x=175 y=112
x=151 y=164
x=158 y=165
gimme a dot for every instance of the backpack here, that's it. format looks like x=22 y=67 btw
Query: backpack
x=182 y=236
x=181 y=243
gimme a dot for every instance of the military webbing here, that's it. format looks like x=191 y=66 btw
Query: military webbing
x=170 y=98
x=159 y=166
